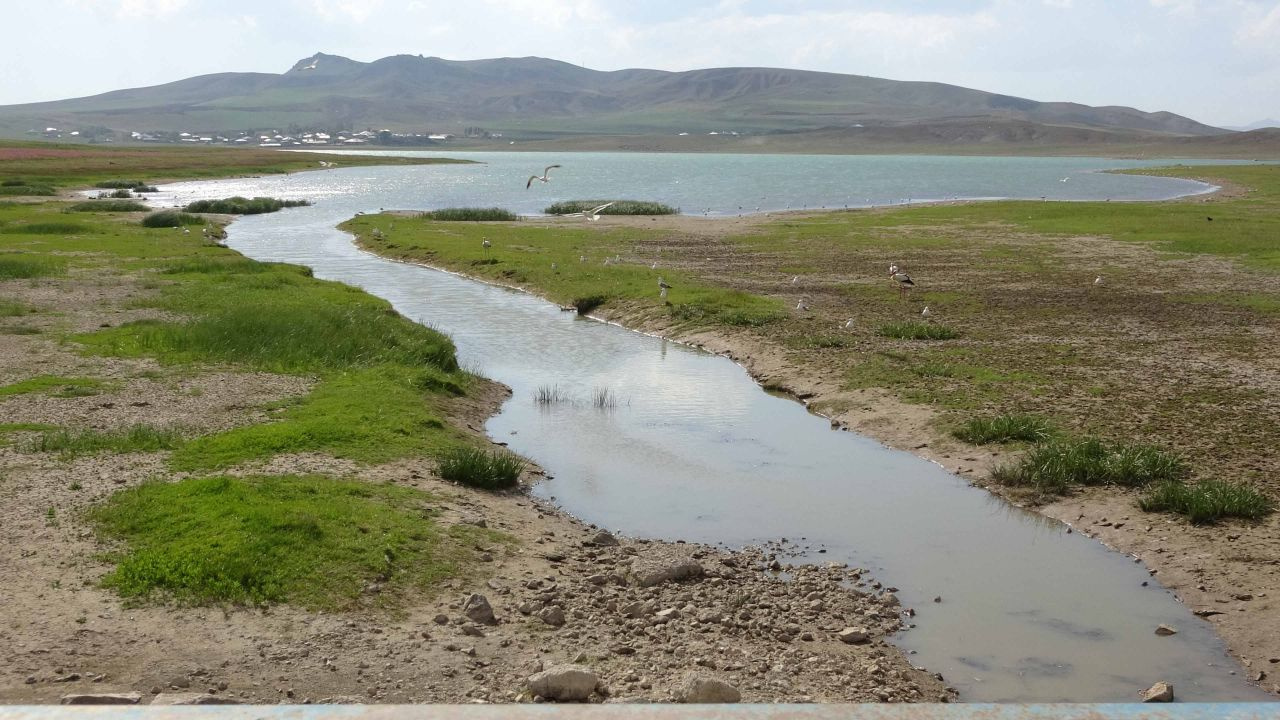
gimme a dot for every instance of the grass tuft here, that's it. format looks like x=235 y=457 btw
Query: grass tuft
x=470 y=214
x=170 y=218
x=1207 y=501
x=243 y=206
x=602 y=398
x=916 y=330
x=1004 y=429
x=48 y=228
x=619 y=207
x=488 y=470
x=550 y=395
x=136 y=438
x=1055 y=466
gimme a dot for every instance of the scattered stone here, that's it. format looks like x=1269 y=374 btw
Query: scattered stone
x=552 y=615
x=665 y=616
x=472 y=631
x=633 y=610
x=564 y=682
x=441 y=619
x=1163 y=629
x=651 y=571
x=129 y=698
x=853 y=635
x=603 y=539
x=702 y=689
x=1160 y=692
x=477 y=608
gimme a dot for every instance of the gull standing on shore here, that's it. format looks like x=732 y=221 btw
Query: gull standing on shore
x=544 y=177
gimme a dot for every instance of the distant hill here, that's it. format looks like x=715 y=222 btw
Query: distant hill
x=1257 y=125
x=537 y=98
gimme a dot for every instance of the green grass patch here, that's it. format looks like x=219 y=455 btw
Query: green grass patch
x=470 y=214
x=916 y=330
x=243 y=206
x=47 y=228
x=171 y=218
x=13 y=308
x=368 y=416
x=1207 y=501
x=20 y=265
x=485 y=469
x=568 y=265
x=311 y=541
x=108 y=206
x=124 y=185
x=19 y=190
x=56 y=386
x=619 y=207
x=136 y=438
x=1056 y=466
x=1004 y=429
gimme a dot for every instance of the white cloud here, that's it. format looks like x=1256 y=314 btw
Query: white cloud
x=132 y=8
x=346 y=10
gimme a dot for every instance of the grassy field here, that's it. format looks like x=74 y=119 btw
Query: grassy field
x=578 y=266
x=382 y=388
x=1170 y=350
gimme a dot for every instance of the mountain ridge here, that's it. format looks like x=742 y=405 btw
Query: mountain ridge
x=542 y=97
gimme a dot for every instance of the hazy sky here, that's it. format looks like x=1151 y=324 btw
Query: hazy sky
x=1215 y=60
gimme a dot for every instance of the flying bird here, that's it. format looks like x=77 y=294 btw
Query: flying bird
x=544 y=177
x=593 y=214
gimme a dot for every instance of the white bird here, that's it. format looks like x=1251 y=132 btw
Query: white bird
x=554 y=266
x=1065 y=179
x=544 y=177
x=794 y=279
x=582 y=258
x=848 y=324
x=925 y=313
x=593 y=214
x=663 y=287
x=484 y=242
x=1099 y=281
x=186 y=231
x=654 y=266
x=893 y=269
x=905 y=283
x=801 y=305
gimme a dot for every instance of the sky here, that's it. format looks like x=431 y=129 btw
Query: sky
x=1217 y=61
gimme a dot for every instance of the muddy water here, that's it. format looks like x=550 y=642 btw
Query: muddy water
x=692 y=448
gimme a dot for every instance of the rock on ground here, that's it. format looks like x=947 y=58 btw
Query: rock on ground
x=477 y=608
x=564 y=682
x=698 y=688
x=1160 y=692
x=648 y=571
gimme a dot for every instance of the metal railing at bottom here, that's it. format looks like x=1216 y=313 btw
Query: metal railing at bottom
x=619 y=711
